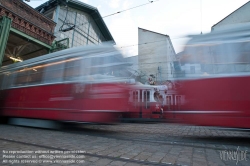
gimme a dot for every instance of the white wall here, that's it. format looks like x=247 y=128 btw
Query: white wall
x=242 y=15
x=155 y=56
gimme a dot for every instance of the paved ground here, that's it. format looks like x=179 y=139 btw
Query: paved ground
x=128 y=144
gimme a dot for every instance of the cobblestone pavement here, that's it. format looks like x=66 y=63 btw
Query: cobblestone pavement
x=127 y=144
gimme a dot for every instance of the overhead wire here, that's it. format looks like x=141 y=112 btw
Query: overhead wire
x=129 y=9
x=76 y=26
x=70 y=25
x=150 y=42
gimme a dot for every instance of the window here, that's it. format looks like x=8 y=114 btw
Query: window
x=35 y=76
x=29 y=76
x=169 y=101
x=21 y=77
x=178 y=101
x=54 y=72
x=86 y=66
x=135 y=96
x=147 y=98
x=50 y=14
x=9 y=79
x=72 y=69
x=192 y=69
x=177 y=66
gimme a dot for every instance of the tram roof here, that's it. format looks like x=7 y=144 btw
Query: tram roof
x=234 y=33
x=92 y=11
x=157 y=87
x=103 y=48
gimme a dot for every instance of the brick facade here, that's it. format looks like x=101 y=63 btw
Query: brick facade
x=28 y=20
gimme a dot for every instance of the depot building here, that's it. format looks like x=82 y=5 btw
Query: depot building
x=26 y=32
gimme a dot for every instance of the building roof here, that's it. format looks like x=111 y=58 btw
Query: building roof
x=160 y=34
x=153 y=32
x=229 y=14
x=92 y=11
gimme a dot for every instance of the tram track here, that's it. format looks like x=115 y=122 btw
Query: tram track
x=102 y=137
x=208 y=142
x=216 y=143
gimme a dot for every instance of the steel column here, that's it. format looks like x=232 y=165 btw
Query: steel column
x=5 y=25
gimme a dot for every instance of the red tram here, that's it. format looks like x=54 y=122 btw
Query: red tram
x=222 y=101
x=146 y=102
x=218 y=93
x=83 y=84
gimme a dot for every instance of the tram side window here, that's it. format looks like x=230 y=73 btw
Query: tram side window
x=147 y=99
x=95 y=65
x=72 y=69
x=169 y=101
x=35 y=75
x=22 y=77
x=105 y=65
x=241 y=67
x=54 y=72
x=178 y=101
x=85 y=66
x=112 y=68
x=29 y=76
x=8 y=80
x=135 y=96
x=114 y=58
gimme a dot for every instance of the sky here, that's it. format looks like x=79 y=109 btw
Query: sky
x=176 y=18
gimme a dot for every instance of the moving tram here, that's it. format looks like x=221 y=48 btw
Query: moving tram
x=146 y=102
x=215 y=90
x=82 y=84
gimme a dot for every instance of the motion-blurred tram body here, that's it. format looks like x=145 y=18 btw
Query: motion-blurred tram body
x=222 y=101
x=219 y=93
x=83 y=84
x=153 y=102
x=146 y=102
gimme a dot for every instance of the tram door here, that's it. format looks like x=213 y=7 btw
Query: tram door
x=169 y=107
x=141 y=102
x=135 y=112
x=169 y=102
x=178 y=103
x=173 y=104
x=178 y=99
x=145 y=104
